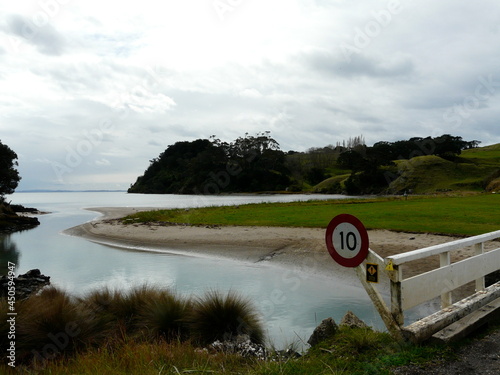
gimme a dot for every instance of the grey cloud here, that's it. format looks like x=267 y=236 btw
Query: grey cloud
x=155 y=143
x=326 y=62
x=46 y=38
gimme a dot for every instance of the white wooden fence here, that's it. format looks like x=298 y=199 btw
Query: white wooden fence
x=413 y=291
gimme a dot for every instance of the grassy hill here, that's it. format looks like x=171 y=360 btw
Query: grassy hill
x=476 y=169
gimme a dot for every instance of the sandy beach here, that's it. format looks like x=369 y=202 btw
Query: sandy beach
x=303 y=249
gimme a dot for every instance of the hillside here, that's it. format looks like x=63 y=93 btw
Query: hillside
x=256 y=164
x=475 y=170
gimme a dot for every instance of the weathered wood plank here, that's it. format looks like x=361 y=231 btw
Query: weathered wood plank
x=441 y=248
x=469 y=323
x=426 y=286
x=426 y=327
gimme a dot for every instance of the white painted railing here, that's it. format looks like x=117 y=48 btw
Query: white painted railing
x=408 y=293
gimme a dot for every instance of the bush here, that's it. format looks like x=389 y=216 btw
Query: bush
x=51 y=324
x=165 y=315
x=54 y=324
x=119 y=312
x=218 y=317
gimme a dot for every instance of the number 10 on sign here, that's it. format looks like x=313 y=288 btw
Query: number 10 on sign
x=347 y=240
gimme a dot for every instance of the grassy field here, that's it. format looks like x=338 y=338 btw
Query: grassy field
x=459 y=215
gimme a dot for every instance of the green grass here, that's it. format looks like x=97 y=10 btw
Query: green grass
x=351 y=351
x=471 y=171
x=459 y=215
x=488 y=154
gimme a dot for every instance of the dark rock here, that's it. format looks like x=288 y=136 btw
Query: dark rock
x=352 y=321
x=325 y=330
x=24 y=285
x=32 y=273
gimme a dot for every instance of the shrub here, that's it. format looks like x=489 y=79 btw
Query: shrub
x=50 y=324
x=119 y=311
x=165 y=316
x=218 y=317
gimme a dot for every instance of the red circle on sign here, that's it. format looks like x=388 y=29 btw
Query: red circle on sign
x=362 y=253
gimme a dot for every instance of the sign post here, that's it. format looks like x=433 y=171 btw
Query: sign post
x=347 y=242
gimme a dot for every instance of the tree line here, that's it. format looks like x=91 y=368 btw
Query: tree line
x=211 y=166
x=255 y=163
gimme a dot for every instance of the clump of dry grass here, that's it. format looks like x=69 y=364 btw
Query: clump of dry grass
x=223 y=317
x=53 y=324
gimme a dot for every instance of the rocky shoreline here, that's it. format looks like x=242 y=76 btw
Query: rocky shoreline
x=13 y=219
x=25 y=285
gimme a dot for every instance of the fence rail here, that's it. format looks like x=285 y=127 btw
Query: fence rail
x=410 y=292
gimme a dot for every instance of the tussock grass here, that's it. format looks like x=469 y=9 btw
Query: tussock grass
x=222 y=317
x=164 y=316
x=54 y=325
x=51 y=323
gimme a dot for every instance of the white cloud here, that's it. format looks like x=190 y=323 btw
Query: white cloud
x=162 y=72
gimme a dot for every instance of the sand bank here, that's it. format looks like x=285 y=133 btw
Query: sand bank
x=302 y=248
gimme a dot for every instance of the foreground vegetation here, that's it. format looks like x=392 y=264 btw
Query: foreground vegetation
x=153 y=331
x=469 y=214
x=350 y=351
x=54 y=325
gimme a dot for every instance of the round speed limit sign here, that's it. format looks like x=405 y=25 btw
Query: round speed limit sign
x=347 y=240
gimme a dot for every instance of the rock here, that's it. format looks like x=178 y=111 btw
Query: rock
x=32 y=273
x=325 y=330
x=352 y=321
x=241 y=345
x=25 y=285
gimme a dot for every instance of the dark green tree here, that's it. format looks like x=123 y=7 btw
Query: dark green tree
x=9 y=176
x=210 y=166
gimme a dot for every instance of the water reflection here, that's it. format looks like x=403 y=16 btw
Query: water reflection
x=8 y=253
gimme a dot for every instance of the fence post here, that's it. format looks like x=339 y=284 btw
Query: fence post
x=445 y=260
x=390 y=322
x=480 y=284
x=396 y=296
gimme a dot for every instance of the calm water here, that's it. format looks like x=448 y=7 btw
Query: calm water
x=291 y=303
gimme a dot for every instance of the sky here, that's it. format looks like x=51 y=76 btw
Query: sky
x=91 y=91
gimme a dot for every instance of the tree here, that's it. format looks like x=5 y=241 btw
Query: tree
x=9 y=177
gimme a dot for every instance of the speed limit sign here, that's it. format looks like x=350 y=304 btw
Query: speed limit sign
x=347 y=240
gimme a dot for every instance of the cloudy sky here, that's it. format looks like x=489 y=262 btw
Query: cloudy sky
x=90 y=91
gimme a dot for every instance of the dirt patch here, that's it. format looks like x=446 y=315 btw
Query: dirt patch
x=481 y=357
